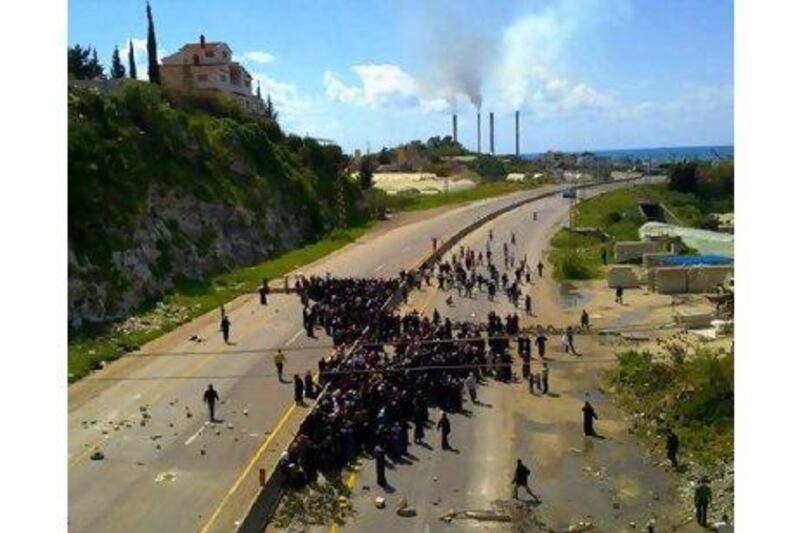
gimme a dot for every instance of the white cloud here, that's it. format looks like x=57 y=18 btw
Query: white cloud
x=285 y=96
x=257 y=56
x=139 y=56
x=381 y=86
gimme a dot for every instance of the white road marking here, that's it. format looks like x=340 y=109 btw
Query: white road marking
x=294 y=337
x=197 y=434
x=379 y=267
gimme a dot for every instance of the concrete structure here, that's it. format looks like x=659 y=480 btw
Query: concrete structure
x=692 y=279
x=623 y=276
x=491 y=133
x=634 y=250
x=516 y=133
x=208 y=67
x=654 y=259
x=479 y=132
x=455 y=128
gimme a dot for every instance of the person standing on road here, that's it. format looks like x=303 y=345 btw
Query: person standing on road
x=279 y=359
x=528 y=305
x=298 y=390
x=584 y=320
x=380 y=465
x=444 y=427
x=702 y=498
x=545 y=379
x=618 y=297
x=540 y=268
x=472 y=387
x=521 y=480
x=225 y=326
x=569 y=334
x=672 y=448
x=210 y=398
x=589 y=416
x=540 y=344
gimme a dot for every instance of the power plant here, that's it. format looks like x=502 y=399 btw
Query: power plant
x=491 y=132
x=479 y=132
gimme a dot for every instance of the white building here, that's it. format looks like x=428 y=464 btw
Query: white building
x=209 y=66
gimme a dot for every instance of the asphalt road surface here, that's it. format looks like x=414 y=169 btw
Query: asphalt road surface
x=608 y=482
x=165 y=467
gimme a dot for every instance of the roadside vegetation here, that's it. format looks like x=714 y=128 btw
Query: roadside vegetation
x=693 y=191
x=692 y=394
x=385 y=203
x=92 y=345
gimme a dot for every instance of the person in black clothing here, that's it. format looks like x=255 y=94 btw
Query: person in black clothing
x=521 y=479
x=584 y=319
x=380 y=465
x=263 y=291
x=298 y=390
x=540 y=343
x=444 y=427
x=528 y=304
x=589 y=416
x=225 y=326
x=310 y=388
x=672 y=448
x=210 y=397
x=540 y=268
x=618 y=297
x=604 y=255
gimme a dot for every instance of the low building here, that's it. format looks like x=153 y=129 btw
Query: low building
x=209 y=67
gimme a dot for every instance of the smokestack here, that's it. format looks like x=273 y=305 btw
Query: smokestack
x=516 y=132
x=479 y=132
x=455 y=128
x=491 y=132
x=202 y=41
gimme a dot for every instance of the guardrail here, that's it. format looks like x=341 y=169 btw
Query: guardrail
x=268 y=498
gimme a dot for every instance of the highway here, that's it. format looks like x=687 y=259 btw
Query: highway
x=607 y=482
x=164 y=467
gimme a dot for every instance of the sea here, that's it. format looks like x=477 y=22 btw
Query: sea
x=660 y=153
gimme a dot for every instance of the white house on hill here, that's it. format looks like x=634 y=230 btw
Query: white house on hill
x=209 y=66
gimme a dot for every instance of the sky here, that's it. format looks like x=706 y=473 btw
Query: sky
x=584 y=74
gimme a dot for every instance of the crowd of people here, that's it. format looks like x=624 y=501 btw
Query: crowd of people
x=384 y=388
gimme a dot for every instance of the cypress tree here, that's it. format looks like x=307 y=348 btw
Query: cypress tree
x=131 y=61
x=117 y=69
x=152 y=58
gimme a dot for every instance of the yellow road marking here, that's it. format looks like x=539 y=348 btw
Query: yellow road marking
x=350 y=482
x=246 y=470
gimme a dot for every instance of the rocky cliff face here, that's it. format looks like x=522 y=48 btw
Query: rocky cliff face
x=177 y=236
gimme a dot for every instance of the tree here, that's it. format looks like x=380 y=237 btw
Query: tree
x=152 y=58
x=117 y=69
x=683 y=177
x=131 y=61
x=94 y=69
x=270 y=109
x=384 y=156
x=77 y=59
x=365 y=180
x=82 y=63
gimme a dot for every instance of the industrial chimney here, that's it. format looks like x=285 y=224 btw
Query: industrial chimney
x=202 y=41
x=479 y=132
x=491 y=132
x=516 y=132
x=455 y=128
